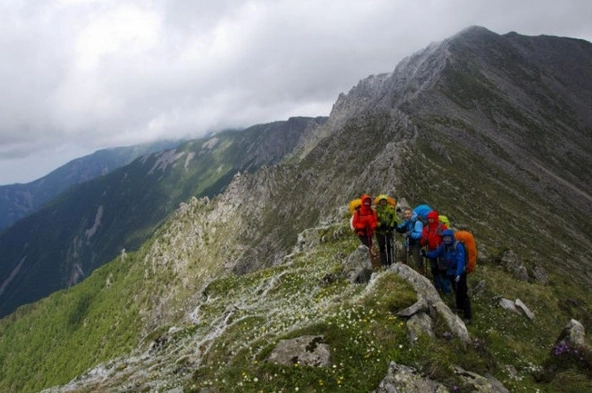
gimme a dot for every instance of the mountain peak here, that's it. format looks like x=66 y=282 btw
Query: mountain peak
x=474 y=31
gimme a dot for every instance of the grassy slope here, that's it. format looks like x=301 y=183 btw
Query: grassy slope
x=238 y=319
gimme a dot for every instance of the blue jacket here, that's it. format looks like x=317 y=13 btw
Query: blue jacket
x=413 y=228
x=453 y=256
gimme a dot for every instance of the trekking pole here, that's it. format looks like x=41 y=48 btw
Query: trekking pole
x=386 y=249
x=391 y=249
x=407 y=255
x=369 y=240
x=394 y=248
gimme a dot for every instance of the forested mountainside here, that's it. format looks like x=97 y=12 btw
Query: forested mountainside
x=20 y=200
x=91 y=223
x=264 y=288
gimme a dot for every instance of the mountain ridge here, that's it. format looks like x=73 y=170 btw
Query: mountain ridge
x=190 y=305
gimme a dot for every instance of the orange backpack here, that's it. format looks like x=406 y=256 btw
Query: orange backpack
x=467 y=238
x=391 y=201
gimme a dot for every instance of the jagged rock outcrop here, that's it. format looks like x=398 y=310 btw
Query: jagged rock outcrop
x=429 y=302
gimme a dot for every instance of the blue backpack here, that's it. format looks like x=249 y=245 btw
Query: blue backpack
x=422 y=211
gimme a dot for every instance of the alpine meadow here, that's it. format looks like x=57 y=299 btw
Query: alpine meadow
x=227 y=264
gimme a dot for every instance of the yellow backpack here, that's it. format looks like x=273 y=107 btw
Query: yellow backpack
x=444 y=220
x=354 y=204
x=391 y=201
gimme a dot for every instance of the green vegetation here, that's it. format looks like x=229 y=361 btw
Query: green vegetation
x=239 y=320
x=51 y=341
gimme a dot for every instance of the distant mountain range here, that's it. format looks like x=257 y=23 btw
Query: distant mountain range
x=20 y=200
x=211 y=258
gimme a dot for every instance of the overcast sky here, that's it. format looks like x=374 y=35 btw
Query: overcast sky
x=80 y=75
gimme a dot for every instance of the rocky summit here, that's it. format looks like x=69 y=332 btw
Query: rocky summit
x=263 y=287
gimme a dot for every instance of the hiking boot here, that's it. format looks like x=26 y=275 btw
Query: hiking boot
x=467 y=321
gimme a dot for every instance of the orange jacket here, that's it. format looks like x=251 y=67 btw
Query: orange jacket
x=365 y=219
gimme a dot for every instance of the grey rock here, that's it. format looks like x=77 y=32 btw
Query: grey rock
x=479 y=383
x=404 y=379
x=419 y=324
x=514 y=265
x=573 y=333
x=479 y=288
x=309 y=238
x=305 y=350
x=508 y=305
x=540 y=274
x=357 y=267
x=420 y=306
x=520 y=305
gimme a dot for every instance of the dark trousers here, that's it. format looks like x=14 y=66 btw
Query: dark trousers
x=439 y=276
x=386 y=245
x=412 y=257
x=366 y=240
x=461 y=295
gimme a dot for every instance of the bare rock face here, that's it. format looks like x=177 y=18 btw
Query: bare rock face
x=305 y=350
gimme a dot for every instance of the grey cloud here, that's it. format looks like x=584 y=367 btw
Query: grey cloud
x=78 y=75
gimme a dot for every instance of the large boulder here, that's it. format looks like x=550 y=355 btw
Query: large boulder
x=428 y=302
x=357 y=268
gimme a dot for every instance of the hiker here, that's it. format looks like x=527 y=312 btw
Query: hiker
x=365 y=221
x=431 y=238
x=387 y=221
x=412 y=228
x=452 y=253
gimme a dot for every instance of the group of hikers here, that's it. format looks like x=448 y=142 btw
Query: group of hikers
x=450 y=254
